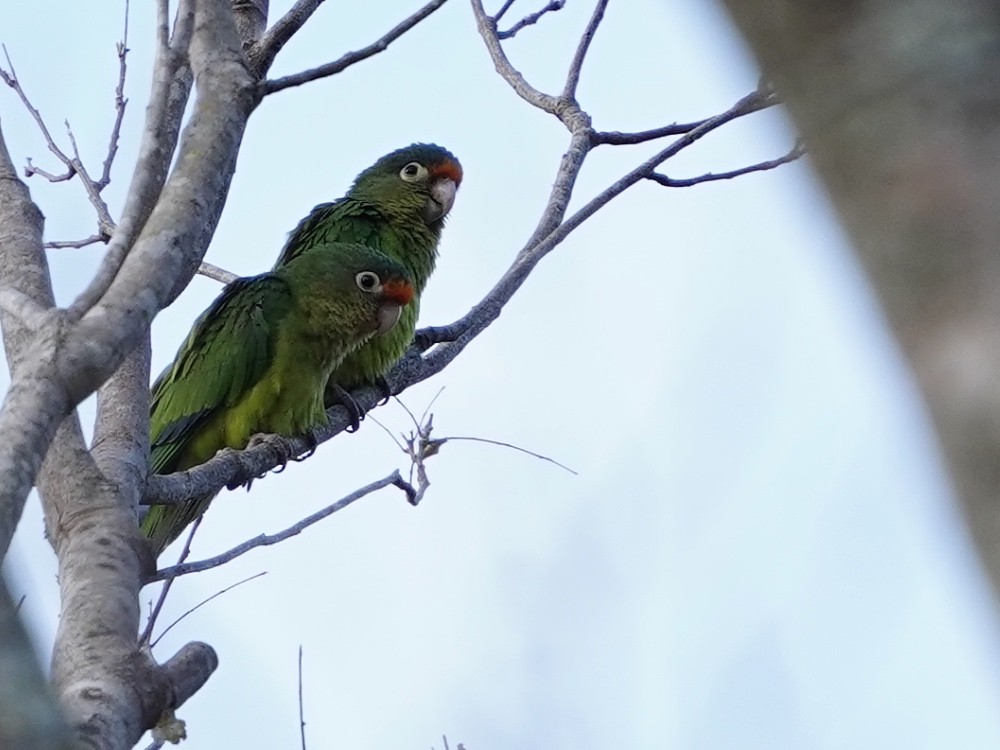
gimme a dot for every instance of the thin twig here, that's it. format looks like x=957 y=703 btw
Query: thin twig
x=268 y=539
x=302 y=717
x=500 y=13
x=441 y=441
x=487 y=26
x=617 y=138
x=529 y=20
x=573 y=76
x=120 y=103
x=60 y=244
x=105 y=224
x=797 y=152
x=203 y=602
x=332 y=68
x=74 y=165
x=147 y=633
x=11 y=80
x=216 y=273
x=30 y=170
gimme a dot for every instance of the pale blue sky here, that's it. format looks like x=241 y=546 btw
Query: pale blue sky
x=760 y=550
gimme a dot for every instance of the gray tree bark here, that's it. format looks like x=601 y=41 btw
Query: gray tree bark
x=899 y=106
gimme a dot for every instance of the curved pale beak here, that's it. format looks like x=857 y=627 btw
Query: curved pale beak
x=396 y=294
x=441 y=200
x=387 y=316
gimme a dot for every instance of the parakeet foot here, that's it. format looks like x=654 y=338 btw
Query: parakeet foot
x=313 y=441
x=335 y=394
x=384 y=388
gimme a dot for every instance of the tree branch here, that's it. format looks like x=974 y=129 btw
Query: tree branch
x=332 y=68
x=120 y=104
x=797 y=152
x=616 y=138
x=529 y=20
x=262 y=54
x=573 y=76
x=168 y=99
x=263 y=540
x=216 y=273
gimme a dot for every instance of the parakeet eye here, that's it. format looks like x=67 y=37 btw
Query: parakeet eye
x=368 y=281
x=413 y=172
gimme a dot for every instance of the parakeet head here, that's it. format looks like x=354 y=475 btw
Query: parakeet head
x=380 y=285
x=415 y=183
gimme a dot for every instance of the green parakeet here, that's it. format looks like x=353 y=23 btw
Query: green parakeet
x=257 y=360
x=398 y=206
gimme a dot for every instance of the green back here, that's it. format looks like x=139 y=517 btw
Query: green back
x=227 y=352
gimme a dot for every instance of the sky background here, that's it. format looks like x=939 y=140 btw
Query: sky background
x=760 y=549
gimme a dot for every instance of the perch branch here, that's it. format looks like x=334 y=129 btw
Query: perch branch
x=264 y=540
x=349 y=59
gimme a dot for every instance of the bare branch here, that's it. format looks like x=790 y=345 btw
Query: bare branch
x=616 y=138
x=573 y=77
x=105 y=224
x=216 y=273
x=265 y=540
x=120 y=103
x=503 y=10
x=263 y=53
x=302 y=716
x=61 y=244
x=487 y=26
x=458 y=334
x=74 y=165
x=528 y=20
x=11 y=80
x=438 y=442
x=332 y=68
x=171 y=87
x=203 y=602
x=147 y=632
x=30 y=170
x=796 y=152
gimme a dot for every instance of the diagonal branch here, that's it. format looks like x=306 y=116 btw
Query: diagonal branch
x=120 y=103
x=264 y=540
x=261 y=56
x=171 y=88
x=797 y=151
x=573 y=76
x=616 y=138
x=332 y=68
x=529 y=20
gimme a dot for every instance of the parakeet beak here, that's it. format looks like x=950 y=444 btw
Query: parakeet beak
x=387 y=316
x=396 y=294
x=441 y=200
x=447 y=177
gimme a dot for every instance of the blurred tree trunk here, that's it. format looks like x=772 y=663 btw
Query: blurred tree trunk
x=898 y=103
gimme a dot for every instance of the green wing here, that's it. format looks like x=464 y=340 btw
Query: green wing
x=345 y=220
x=227 y=352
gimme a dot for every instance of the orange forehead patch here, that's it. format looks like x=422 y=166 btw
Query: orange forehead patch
x=450 y=169
x=399 y=292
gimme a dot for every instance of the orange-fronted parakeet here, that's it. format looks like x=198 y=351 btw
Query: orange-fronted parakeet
x=258 y=359
x=398 y=206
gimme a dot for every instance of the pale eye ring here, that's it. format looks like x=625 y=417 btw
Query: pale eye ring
x=368 y=281
x=413 y=172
